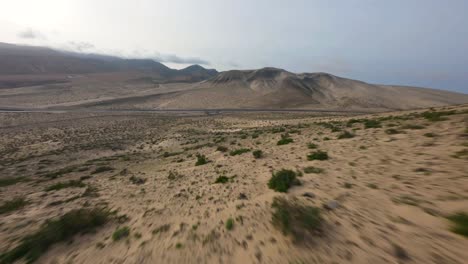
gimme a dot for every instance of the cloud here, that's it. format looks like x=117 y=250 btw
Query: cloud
x=80 y=46
x=165 y=58
x=171 y=58
x=29 y=33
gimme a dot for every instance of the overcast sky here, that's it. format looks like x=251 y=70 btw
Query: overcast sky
x=411 y=42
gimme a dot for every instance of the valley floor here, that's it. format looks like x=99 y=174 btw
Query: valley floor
x=186 y=188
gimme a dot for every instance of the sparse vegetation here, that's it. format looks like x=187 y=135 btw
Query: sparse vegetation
x=282 y=180
x=239 y=151
x=171 y=154
x=222 y=148
x=137 y=180
x=278 y=130
x=312 y=169
x=13 y=205
x=351 y=122
x=462 y=154
x=412 y=126
x=230 y=224
x=121 y=233
x=257 y=154
x=460 y=223
x=296 y=219
x=371 y=123
x=102 y=169
x=90 y=192
x=285 y=139
x=32 y=246
x=11 y=181
x=63 y=185
x=60 y=172
x=435 y=116
x=318 y=155
x=312 y=146
x=201 y=160
x=161 y=229
x=222 y=179
x=174 y=175
x=430 y=135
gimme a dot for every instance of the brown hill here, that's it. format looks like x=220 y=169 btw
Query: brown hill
x=277 y=88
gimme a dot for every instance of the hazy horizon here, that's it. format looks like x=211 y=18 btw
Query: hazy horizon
x=414 y=43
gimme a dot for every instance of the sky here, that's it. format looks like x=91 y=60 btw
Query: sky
x=404 y=42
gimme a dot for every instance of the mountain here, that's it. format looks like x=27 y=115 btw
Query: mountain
x=57 y=78
x=277 y=88
x=33 y=60
x=198 y=73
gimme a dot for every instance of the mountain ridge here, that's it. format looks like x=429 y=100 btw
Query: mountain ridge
x=23 y=59
x=114 y=82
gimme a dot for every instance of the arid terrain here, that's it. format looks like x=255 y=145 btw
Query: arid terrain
x=79 y=187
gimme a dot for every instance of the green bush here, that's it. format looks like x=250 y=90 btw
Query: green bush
x=13 y=205
x=79 y=221
x=296 y=219
x=352 y=121
x=230 y=224
x=372 y=123
x=60 y=172
x=282 y=180
x=435 y=116
x=285 y=139
x=312 y=169
x=222 y=179
x=239 y=151
x=257 y=154
x=460 y=223
x=201 y=160
x=11 y=181
x=120 y=233
x=318 y=155
x=312 y=146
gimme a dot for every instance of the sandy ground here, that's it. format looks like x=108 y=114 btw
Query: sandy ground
x=393 y=190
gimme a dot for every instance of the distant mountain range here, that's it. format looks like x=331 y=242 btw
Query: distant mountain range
x=53 y=78
x=32 y=60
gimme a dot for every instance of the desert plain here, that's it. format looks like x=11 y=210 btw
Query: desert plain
x=197 y=187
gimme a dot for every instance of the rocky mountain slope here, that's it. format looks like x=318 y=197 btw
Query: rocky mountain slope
x=277 y=88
